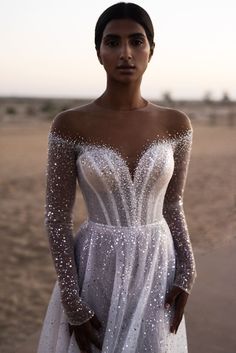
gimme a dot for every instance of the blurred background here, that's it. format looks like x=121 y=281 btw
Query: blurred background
x=48 y=64
x=47 y=48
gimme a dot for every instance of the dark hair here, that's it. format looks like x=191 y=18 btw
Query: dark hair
x=124 y=10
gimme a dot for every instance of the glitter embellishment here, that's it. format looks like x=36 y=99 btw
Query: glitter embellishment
x=133 y=247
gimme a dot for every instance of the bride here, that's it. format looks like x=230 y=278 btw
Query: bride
x=124 y=279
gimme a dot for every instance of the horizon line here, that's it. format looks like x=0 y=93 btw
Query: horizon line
x=172 y=99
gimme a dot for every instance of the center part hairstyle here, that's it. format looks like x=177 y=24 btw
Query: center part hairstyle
x=124 y=10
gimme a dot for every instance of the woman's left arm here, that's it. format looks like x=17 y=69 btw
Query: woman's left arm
x=173 y=211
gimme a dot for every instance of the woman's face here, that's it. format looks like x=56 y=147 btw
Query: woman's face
x=124 y=50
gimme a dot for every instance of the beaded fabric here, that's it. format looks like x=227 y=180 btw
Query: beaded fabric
x=130 y=251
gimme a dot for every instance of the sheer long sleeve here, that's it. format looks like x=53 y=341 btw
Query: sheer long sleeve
x=60 y=198
x=174 y=214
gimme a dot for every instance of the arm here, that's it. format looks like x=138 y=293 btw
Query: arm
x=174 y=213
x=60 y=197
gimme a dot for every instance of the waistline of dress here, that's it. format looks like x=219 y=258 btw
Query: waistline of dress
x=89 y=222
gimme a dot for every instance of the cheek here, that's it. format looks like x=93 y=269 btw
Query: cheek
x=107 y=57
x=144 y=55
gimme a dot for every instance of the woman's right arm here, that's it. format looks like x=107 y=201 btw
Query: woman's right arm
x=60 y=198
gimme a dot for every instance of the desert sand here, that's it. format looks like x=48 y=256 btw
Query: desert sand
x=29 y=276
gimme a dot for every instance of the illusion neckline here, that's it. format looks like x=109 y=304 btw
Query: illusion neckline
x=79 y=139
x=124 y=158
x=132 y=174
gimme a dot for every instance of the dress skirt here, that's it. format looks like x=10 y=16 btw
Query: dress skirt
x=124 y=275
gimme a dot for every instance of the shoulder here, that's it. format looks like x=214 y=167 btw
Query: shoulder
x=176 y=121
x=179 y=121
x=68 y=123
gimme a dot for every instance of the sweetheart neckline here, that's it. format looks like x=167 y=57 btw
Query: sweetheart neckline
x=125 y=159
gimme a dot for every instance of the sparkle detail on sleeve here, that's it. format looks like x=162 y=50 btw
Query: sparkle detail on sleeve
x=60 y=197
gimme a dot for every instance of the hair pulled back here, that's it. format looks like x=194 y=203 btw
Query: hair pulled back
x=124 y=10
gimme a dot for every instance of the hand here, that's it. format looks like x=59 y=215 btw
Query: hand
x=85 y=334
x=177 y=297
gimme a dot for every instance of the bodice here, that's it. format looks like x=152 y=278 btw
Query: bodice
x=112 y=195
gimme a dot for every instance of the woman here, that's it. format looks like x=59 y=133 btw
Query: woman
x=125 y=278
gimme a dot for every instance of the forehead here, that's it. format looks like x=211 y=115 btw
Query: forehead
x=123 y=27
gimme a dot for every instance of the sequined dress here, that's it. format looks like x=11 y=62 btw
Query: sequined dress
x=129 y=252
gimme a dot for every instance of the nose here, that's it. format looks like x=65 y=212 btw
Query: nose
x=125 y=52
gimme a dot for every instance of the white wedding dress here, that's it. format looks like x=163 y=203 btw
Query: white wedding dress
x=125 y=258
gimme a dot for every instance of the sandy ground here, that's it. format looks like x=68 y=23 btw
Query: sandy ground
x=28 y=276
x=211 y=309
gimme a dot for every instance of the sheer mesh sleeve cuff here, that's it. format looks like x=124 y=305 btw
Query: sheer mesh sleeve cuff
x=60 y=197
x=81 y=314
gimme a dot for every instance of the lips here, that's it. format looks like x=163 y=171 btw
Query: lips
x=126 y=67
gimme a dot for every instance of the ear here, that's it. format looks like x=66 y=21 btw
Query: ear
x=99 y=57
x=151 y=51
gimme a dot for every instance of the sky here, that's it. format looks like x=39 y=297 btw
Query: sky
x=47 y=48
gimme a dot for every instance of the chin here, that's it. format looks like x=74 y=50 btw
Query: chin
x=126 y=79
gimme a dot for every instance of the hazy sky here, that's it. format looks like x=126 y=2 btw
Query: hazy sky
x=47 y=48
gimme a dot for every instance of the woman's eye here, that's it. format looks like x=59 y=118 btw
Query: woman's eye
x=137 y=42
x=112 y=43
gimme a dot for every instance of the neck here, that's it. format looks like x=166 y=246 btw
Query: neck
x=119 y=96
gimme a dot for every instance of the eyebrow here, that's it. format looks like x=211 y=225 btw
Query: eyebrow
x=115 y=36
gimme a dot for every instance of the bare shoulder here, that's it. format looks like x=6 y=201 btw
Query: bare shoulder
x=179 y=121
x=176 y=121
x=69 y=122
